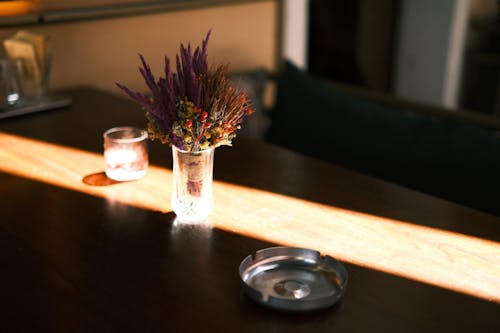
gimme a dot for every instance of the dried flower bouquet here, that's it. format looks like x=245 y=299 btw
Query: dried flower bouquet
x=195 y=108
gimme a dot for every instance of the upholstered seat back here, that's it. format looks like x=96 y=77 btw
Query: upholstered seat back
x=452 y=159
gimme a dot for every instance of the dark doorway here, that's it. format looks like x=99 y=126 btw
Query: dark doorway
x=352 y=41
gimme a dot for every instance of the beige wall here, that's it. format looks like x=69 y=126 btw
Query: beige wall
x=100 y=53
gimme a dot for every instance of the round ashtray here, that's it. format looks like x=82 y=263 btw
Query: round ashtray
x=294 y=279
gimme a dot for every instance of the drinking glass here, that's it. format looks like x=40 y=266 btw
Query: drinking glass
x=9 y=88
x=125 y=153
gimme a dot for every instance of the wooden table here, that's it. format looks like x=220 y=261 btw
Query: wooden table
x=79 y=254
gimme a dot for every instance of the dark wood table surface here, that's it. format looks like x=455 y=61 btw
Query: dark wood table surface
x=75 y=262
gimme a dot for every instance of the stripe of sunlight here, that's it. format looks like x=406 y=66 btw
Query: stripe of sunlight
x=446 y=259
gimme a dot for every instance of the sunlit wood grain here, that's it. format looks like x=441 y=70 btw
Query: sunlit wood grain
x=446 y=259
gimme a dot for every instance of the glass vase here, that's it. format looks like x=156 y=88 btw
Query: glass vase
x=192 y=181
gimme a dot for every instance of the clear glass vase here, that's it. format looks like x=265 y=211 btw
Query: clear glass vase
x=192 y=179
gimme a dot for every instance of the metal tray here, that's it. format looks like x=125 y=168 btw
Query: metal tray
x=294 y=279
x=49 y=102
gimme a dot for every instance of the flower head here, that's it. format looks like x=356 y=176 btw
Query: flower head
x=195 y=108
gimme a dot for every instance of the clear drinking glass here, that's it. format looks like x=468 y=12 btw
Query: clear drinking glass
x=192 y=178
x=9 y=87
x=125 y=153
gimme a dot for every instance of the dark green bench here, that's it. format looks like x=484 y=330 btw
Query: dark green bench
x=454 y=155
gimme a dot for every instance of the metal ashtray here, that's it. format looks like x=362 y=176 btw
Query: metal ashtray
x=294 y=279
